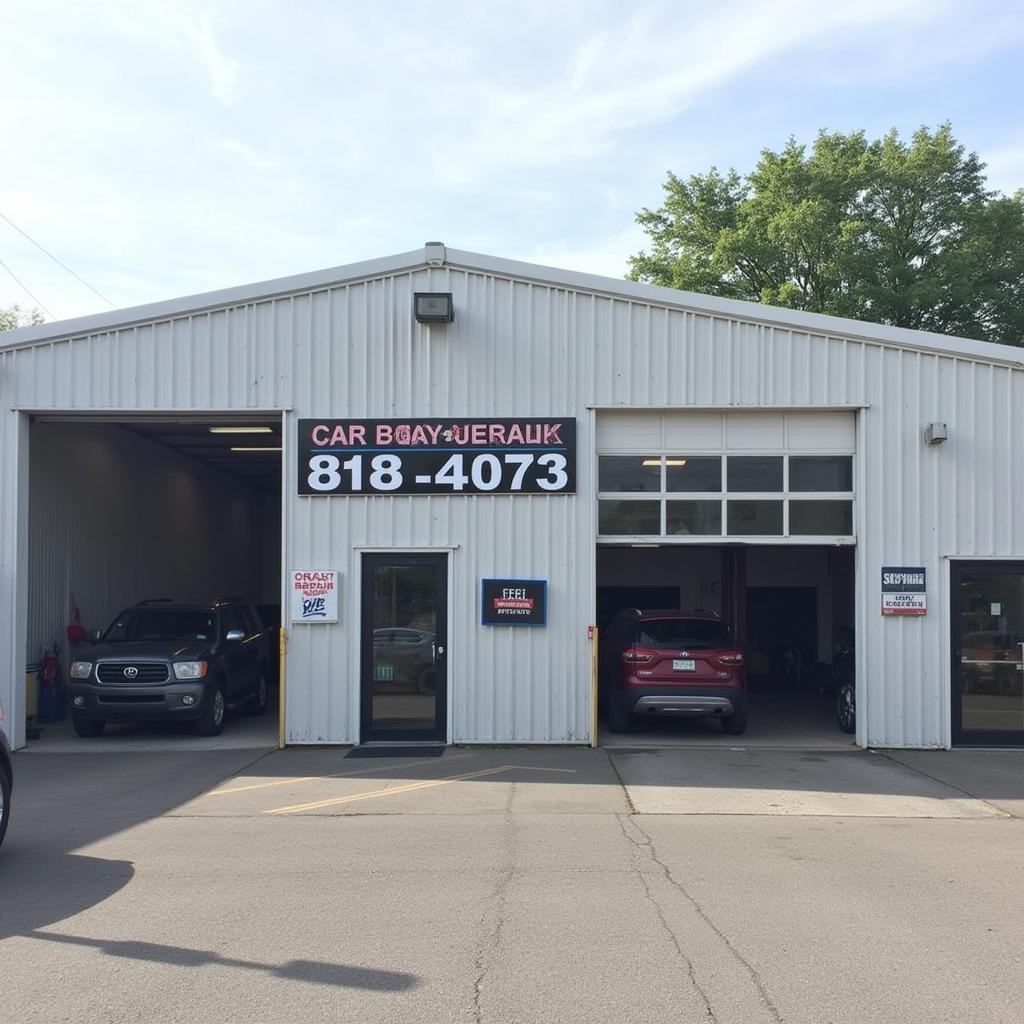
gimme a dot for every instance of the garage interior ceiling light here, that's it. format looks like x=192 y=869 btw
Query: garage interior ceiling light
x=668 y=462
x=255 y=449
x=240 y=430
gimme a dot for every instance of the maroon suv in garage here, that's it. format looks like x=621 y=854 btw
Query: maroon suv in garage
x=671 y=663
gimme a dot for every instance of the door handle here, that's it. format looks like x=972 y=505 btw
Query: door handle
x=437 y=650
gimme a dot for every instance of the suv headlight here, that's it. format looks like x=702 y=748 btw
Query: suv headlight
x=81 y=669
x=189 y=669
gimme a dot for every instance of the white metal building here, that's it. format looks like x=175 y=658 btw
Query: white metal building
x=99 y=509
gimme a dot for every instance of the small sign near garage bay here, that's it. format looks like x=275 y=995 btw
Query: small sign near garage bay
x=438 y=456
x=904 y=590
x=314 y=595
x=514 y=602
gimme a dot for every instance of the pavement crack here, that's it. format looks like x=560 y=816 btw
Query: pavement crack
x=691 y=971
x=647 y=845
x=497 y=901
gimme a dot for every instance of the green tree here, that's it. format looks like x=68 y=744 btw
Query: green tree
x=893 y=232
x=12 y=317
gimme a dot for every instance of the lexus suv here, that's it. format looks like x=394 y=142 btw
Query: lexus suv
x=171 y=660
x=671 y=663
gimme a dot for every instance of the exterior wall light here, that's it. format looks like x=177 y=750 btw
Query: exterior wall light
x=936 y=433
x=433 y=307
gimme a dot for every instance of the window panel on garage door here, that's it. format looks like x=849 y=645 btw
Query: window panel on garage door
x=770 y=475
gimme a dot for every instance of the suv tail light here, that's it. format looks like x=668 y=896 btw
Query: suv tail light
x=730 y=658
x=638 y=656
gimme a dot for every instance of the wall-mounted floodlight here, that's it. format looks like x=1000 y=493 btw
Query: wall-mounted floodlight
x=936 y=433
x=433 y=307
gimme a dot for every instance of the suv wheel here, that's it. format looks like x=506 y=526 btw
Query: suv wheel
x=212 y=722
x=735 y=724
x=5 y=801
x=846 y=707
x=87 y=726
x=257 y=703
x=618 y=720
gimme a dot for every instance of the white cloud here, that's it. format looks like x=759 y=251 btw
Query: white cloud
x=195 y=27
x=642 y=71
x=169 y=146
x=605 y=256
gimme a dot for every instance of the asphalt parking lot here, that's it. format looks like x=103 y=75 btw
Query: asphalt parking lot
x=514 y=885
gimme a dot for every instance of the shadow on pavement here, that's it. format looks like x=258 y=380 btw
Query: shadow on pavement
x=942 y=774
x=341 y=975
x=65 y=802
x=39 y=887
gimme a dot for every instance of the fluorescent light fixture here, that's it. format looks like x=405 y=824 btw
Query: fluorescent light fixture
x=675 y=462
x=240 y=430
x=256 y=449
x=651 y=462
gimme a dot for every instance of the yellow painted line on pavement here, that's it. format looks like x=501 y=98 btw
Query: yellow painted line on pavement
x=410 y=787
x=316 y=778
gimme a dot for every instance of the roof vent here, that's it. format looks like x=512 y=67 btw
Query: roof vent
x=433 y=254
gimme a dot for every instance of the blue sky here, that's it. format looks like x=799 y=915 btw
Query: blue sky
x=165 y=148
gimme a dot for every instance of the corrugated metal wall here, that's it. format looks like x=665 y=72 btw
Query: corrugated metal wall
x=522 y=348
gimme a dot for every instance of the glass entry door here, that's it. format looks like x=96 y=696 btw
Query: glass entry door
x=988 y=653
x=404 y=645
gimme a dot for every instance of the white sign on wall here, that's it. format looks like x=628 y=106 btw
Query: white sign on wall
x=904 y=590
x=314 y=595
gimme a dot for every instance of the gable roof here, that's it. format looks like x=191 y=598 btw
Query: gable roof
x=672 y=298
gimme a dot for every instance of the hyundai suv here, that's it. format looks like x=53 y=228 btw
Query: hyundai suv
x=163 y=659
x=671 y=663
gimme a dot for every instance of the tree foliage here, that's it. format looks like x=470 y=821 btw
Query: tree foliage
x=12 y=317
x=893 y=232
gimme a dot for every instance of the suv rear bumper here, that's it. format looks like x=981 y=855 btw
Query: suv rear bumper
x=717 y=701
x=136 y=703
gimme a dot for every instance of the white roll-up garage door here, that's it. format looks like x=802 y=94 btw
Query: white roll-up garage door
x=763 y=477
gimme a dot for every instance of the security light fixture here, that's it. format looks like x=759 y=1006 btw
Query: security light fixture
x=241 y=430
x=433 y=307
x=936 y=433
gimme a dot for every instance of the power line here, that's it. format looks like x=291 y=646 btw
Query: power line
x=55 y=260
x=26 y=288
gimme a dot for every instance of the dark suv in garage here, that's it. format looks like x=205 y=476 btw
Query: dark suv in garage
x=671 y=663
x=163 y=659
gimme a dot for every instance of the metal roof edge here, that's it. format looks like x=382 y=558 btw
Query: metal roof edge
x=776 y=316
x=737 y=309
x=185 y=305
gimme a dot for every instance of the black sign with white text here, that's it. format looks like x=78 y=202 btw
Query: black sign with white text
x=437 y=456
x=514 y=603
x=904 y=590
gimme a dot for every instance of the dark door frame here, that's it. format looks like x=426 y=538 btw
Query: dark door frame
x=367 y=563
x=959 y=737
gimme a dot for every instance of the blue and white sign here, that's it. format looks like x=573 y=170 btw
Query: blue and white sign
x=314 y=595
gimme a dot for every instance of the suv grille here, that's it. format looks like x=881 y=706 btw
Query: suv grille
x=148 y=672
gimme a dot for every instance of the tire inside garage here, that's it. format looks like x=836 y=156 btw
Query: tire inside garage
x=127 y=510
x=787 y=608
